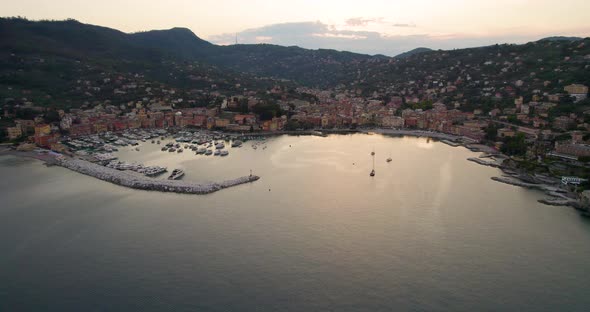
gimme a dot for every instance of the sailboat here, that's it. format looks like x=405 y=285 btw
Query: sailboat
x=373 y=171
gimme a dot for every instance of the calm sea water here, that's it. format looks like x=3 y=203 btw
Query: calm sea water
x=430 y=232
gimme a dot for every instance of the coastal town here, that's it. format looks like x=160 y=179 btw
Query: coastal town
x=559 y=144
x=525 y=105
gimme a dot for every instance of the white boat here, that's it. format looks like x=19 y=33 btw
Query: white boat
x=236 y=143
x=208 y=152
x=219 y=145
x=176 y=174
x=216 y=153
x=372 y=174
x=223 y=153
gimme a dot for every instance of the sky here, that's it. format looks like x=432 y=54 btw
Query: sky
x=386 y=27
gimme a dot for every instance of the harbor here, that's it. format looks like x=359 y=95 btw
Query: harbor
x=188 y=155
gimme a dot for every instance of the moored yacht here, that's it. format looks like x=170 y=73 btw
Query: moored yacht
x=176 y=174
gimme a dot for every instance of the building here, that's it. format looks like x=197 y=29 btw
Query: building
x=562 y=123
x=26 y=125
x=506 y=132
x=46 y=140
x=580 y=92
x=14 y=133
x=392 y=122
x=578 y=150
x=42 y=129
x=221 y=122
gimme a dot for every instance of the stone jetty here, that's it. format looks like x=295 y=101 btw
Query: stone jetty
x=144 y=183
x=494 y=164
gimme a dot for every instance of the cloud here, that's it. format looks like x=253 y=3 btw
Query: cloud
x=261 y=39
x=318 y=35
x=364 y=22
x=403 y=25
x=359 y=21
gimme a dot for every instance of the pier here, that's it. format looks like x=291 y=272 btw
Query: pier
x=144 y=183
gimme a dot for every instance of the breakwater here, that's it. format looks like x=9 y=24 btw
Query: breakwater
x=494 y=164
x=144 y=183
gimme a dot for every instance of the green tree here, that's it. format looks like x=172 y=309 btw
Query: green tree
x=51 y=116
x=515 y=145
x=492 y=132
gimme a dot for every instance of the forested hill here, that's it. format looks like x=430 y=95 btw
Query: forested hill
x=161 y=54
x=72 y=39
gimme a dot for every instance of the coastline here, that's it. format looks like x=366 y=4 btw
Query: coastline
x=549 y=186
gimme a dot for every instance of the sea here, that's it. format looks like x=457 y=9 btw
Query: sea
x=429 y=232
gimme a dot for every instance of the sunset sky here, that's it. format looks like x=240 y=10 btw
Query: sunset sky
x=370 y=26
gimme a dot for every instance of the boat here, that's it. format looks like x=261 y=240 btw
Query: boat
x=372 y=174
x=216 y=153
x=389 y=159
x=236 y=143
x=201 y=150
x=137 y=149
x=223 y=153
x=153 y=141
x=219 y=145
x=176 y=174
x=171 y=150
x=164 y=148
x=179 y=150
x=208 y=152
x=158 y=142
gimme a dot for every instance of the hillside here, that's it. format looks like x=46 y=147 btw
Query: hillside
x=72 y=39
x=49 y=58
x=412 y=52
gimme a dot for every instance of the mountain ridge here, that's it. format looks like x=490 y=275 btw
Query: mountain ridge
x=322 y=68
